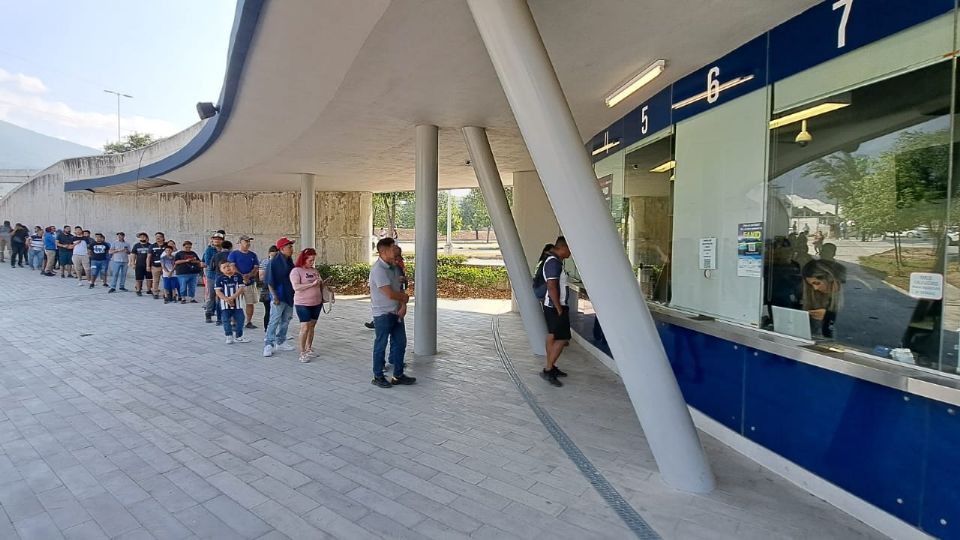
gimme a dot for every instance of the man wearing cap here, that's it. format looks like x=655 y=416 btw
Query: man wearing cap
x=119 y=262
x=153 y=263
x=210 y=274
x=248 y=266
x=281 y=290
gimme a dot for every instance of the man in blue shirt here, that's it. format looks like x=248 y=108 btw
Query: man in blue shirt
x=210 y=273
x=50 y=250
x=281 y=290
x=248 y=266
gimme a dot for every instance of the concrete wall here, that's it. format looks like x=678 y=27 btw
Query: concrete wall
x=536 y=222
x=343 y=218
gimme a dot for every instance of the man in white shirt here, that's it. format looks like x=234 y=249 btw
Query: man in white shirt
x=81 y=256
x=555 y=310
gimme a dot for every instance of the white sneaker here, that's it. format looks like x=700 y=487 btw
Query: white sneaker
x=242 y=339
x=286 y=347
x=304 y=358
x=82 y=283
x=229 y=340
x=267 y=351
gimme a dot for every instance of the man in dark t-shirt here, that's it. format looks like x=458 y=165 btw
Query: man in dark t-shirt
x=99 y=258
x=154 y=266
x=216 y=260
x=187 y=267
x=65 y=242
x=141 y=252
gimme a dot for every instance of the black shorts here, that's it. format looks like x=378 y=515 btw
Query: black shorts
x=65 y=258
x=142 y=272
x=558 y=325
x=308 y=313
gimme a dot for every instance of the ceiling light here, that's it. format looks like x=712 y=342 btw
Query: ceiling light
x=664 y=167
x=636 y=82
x=702 y=95
x=816 y=110
x=605 y=147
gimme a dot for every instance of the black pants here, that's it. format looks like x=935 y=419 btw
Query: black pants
x=18 y=253
x=266 y=313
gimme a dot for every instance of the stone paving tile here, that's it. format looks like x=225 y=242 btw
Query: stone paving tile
x=107 y=431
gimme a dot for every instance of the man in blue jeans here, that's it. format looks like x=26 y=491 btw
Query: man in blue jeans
x=281 y=291
x=119 y=261
x=388 y=304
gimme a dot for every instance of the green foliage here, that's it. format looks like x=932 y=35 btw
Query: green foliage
x=451 y=268
x=442 y=213
x=485 y=277
x=346 y=274
x=451 y=260
x=393 y=210
x=473 y=210
x=133 y=141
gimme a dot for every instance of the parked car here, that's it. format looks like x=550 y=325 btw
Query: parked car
x=919 y=233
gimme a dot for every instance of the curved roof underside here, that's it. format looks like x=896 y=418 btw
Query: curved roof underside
x=335 y=87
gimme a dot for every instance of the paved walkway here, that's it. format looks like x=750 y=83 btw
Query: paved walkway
x=121 y=417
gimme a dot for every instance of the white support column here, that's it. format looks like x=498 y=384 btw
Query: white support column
x=548 y=128
x=485 y=166
x=425 y=280
x=308 y=211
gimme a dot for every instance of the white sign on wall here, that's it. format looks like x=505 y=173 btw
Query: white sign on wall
x=926 y=286
x=708 y=253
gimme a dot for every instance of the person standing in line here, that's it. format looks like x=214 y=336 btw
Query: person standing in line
x=36 y=249
x=154 y=266
x=218 y=259
x=248 y=266
x=139 y=254
x=65 y=242
x=119 y=262
x=50 y=250
x=400 y=267
x=18 y=245
x=99 y=256
x=281 y=291
x=388 y=304
x=5 y=231
x=307 y=299
x=264 y=290
x=81 y=256
x=187 y=268
x=210 y=274
x=170 y=281
x=555 y=310
x=229 y=289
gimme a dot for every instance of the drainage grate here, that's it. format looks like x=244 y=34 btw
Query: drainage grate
x=609 y=493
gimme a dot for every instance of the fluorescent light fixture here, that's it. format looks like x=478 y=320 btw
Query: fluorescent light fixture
x=664 y=167
x=798 y=116
x=703 y=95
x=636 y=82
x=606 y=147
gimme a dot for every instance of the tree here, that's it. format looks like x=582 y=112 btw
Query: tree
x=386 y=207
x=442 y=213
x=473 y=211
x=133 y=141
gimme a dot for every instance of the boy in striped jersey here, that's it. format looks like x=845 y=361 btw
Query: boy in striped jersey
x=229 y=288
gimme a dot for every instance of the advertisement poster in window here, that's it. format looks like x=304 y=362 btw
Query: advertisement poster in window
x=606 y=186
x=750 y=249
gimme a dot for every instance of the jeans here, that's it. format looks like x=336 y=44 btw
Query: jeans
x=232 y=317
x=211 y=305
x=36 y=259
x=96 y=269
x=389 y=326
x=18 y=253
x=119 y=271
x=188 y=285
x=280 y=315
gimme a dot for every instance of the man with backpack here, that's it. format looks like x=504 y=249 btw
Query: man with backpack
x=555 y=310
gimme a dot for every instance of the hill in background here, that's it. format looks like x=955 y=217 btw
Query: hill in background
x=21 y=148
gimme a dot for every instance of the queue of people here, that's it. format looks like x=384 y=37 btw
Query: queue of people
x=234 y=281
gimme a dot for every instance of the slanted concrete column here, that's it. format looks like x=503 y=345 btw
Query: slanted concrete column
x=308 y=211
x=548 y=128
x=425 y=279
x=485 y=166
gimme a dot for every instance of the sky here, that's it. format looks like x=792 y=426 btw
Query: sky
x=58 y=56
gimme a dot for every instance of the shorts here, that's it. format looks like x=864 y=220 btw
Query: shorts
x=171 y=283
x=65 y=258
x=308 y=313
x=141 y=273
x=251 y=294
x=558 y=325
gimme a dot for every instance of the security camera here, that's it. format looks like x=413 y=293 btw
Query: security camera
x=804 y=137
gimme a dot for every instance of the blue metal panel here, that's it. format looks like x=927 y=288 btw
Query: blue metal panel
x=941 y=497
x=709 y=371
x=866 y=438
x=613 y=133
x=818 y=34
x=650 y=117
x=750 y=60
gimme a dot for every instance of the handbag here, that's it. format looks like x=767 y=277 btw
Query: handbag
x=328 y=297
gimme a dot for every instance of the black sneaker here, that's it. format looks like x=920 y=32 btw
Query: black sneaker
x=550 y=377
x=191 y=301
x=382 y=382
x=403 y=379
x=250 y=325
x=156 y=296
x=123 y=289
x=105 y=285
x=558 y=373
x=91 y=286
x=369 y=325
x=219 y=323
x=112 y=290
x=208 y=320
x=183 y=301
x=166 y=301
x=139 y=293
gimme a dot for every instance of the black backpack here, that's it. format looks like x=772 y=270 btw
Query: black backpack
x=539 y=282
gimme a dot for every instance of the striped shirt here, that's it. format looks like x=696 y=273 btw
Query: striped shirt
x=36 y=242
x=229 y=285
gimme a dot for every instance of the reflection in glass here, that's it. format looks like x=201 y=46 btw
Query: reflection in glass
x=858 y=210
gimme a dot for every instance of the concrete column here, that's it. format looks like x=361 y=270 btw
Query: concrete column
x=533 y=215
x=425 y=279
x=491 y=186
x=548 y=128
x=308 y=211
